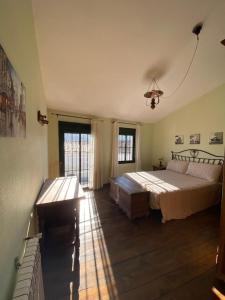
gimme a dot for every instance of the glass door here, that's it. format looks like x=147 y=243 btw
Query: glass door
x=75 y=150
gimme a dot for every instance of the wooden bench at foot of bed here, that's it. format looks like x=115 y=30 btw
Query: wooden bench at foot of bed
x=130 y=197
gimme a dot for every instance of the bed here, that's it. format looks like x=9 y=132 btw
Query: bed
x=191 y=183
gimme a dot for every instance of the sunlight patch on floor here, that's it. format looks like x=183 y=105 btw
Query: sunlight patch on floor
x=218 y=294
x=96 y=276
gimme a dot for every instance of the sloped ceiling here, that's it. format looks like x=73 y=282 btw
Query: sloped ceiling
x=98 y=57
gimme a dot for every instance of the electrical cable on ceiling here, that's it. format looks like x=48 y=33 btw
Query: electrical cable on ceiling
x=186 y=73
x=153 y=96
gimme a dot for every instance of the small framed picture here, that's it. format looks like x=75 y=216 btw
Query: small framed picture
x=195 y=138
x=216 y=138
x=179 y=139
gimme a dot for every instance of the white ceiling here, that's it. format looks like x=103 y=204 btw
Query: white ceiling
x=97 y=57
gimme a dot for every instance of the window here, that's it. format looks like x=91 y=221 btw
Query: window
x=126 y=145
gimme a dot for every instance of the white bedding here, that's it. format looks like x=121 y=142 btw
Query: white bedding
x=177 y=195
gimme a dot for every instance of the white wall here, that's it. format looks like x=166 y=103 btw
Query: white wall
x=23 y=161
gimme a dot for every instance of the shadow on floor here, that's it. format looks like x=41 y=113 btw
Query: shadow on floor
x=109 y=257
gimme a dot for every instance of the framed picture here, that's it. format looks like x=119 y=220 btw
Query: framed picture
x=179 y=139
x=195 y=138
x=12 y=100
x=216 y=138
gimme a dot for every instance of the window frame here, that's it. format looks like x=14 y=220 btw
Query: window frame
x=127 y=132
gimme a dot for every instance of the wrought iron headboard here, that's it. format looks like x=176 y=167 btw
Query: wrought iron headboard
x=199 y=156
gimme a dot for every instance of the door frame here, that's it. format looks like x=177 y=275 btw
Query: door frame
x=69 y=127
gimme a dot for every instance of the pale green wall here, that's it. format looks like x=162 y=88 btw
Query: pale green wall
x=204 y=115
x=53 y=152
x=23 y=162
x=146 y=146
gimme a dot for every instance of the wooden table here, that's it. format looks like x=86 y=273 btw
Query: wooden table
x=58 y=201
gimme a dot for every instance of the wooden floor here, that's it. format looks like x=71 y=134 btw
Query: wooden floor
x=119 y=259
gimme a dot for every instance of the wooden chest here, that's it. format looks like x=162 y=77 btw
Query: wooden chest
x=130 y=197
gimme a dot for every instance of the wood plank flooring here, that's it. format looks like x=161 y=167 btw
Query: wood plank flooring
x=115 y=258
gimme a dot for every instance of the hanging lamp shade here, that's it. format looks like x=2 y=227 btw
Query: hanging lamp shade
x=153 y=94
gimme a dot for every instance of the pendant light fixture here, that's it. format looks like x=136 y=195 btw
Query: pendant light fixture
x=154 y=93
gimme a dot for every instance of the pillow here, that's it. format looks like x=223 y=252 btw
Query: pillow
x=204 y=171
x=179 y=166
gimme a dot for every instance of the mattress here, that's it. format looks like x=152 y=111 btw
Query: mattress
x=177 y=195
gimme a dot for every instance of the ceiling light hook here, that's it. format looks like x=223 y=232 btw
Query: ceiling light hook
x=197 y=29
